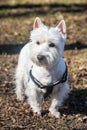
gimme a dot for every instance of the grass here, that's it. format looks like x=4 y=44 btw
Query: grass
x=12 y=2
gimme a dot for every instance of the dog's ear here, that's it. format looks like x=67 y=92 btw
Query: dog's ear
x=62 y=28
x=37 y=23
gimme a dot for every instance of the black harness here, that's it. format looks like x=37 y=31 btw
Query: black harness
x=50 y=86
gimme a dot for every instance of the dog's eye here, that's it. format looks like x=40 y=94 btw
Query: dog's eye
x=38 y=43
x=51 y=45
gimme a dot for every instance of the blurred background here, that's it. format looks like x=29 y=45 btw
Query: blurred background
x=16 y=22
x=17 y=17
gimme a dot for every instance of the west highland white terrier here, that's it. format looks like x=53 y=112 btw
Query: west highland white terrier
x=41 y=69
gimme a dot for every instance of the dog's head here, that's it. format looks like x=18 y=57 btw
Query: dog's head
x=47 y=44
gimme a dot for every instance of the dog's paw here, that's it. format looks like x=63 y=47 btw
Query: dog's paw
x=20 y=97
x=55 y=114
x=37 y=113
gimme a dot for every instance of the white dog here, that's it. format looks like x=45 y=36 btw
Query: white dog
x=41 y=68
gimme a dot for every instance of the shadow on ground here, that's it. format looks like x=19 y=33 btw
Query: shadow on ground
x=15 y=48
x=41 y=9
x=77 y=103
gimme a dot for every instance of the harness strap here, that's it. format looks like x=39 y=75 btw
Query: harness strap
x=51 y=85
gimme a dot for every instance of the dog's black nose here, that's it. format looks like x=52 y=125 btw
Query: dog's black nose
x=41 y=57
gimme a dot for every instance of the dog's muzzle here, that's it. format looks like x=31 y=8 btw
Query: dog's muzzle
x=41 y=58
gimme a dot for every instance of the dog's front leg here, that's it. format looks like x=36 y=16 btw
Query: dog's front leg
x=35 y=100
x=59 y=94
x=54 y=107
x=57 y=100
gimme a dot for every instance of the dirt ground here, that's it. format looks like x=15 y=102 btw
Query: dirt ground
x=15 y=25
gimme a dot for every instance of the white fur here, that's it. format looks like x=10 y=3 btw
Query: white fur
x=48 y=71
